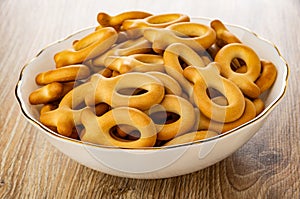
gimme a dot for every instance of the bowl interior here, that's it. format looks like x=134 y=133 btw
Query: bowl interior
x=44 y=61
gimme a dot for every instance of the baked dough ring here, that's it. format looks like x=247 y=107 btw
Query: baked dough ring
x=267 y=77
x=135 y=28
x=162 y=38
x=116 y=21
x=172 y=64
x=248 y=114
x=101 y=108
x=90 y=46
x=101 y=89
x=122 y=35
x=259 y=105
x=64 y=74
x=46 y=94
x=66 y=117
x=135 y=62
x=50 y=93
x=129 y=47
x=48 y=107
x=180 y=106
x=190 y=137
x=97 y=129
x=204 y=35
x=156 y=21
x=107 y=90
x=209 y=77
x=170 y=84
x=213 y=50
x=224 y=36
x=106 y=72
x=245 y=81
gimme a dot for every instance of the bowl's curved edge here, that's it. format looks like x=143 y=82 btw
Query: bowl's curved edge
x=262 y=115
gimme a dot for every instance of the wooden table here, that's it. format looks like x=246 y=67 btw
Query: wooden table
x=266 y=167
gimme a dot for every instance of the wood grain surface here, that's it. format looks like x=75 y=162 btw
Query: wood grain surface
x=265 y=167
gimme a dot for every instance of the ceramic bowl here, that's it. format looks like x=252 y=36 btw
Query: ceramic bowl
x=162 y=162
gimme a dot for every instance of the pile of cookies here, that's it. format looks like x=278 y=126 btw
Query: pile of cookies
x=143 y=80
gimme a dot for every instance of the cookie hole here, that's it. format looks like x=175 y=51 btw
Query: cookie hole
x=212 y=93
x=216 y=96
x=101 y=108
x=76 y=132
x=125 y=132
x=149 y=59
x=163 y=117
x=182 y=63
x=132 y=91
x=184 y=36
x=238 y=65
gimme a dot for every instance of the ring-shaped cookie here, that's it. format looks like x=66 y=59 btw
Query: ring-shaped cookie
x=162 y=38
x=135 y=62
x=170 y=84
x=105 y=20
x=259 y=105
x=107 y=90
x=245 y=81
x=66 y=116
x=64 y=74
x=180 y=106
x=224 y=36
x=204 y=35
x=173 y=67
x=89 y=47
x=135 y=28
x=190 y=137
x=129 y=47
x=267 y=76
x=248 y=114
x=156 y=21
x=209 y=77
x=97 y=129
x=46 y=94
x=50 y=93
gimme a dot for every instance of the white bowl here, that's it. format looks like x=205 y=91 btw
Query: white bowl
x=160 y=162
